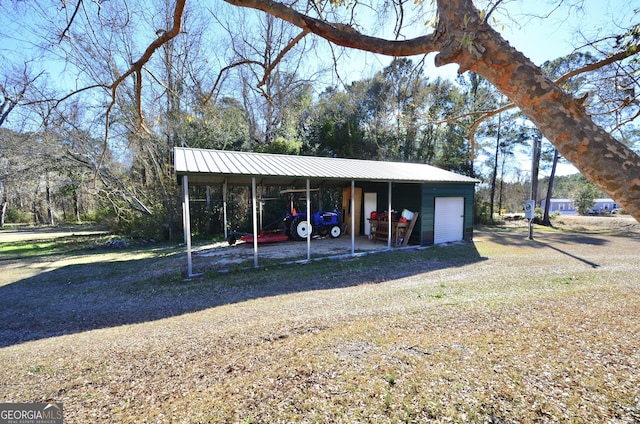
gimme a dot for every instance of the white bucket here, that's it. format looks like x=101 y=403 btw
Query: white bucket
x=407 y=214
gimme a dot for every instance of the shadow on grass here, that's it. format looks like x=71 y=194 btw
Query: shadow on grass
x=561 y=242
x=37 y=247
x=78 y=298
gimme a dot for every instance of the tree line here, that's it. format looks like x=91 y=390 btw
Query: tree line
x=79 y=156
x=66 y=176
x=399 y=114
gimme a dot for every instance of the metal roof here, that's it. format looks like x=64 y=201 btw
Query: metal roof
x=205 y=166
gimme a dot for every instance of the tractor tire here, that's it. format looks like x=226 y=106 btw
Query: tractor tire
x=285 y=227
x=300 y=228
x=336 y=231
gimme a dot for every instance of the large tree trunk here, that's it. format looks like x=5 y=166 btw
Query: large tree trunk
x=48 y=200
x=603 y=160
x=463 y=37
x=3 y=211
x=494 y=175
x=34 y=208
x=76 y=205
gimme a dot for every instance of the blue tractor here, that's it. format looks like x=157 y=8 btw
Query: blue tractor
x=323 y=223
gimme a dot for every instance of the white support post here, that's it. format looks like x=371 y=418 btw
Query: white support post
x=224 y=209
x=353 y=217
x=186 y=219
x=255 y=222
x=308 y=221
x=390 y=217
x=260 y=207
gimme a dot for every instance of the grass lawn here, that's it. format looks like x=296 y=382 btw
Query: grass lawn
x=503 y=329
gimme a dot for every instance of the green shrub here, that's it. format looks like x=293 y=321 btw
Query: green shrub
x=583 y=197
x=538 y=213
x=482 y=213
x=17 y=216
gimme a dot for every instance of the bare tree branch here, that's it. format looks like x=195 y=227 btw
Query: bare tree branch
x=493 y=9
x=73 y=17
x=344 y=35
x=110 y=181
x=488 y=114
x=136 y=67
x=597 y=65
x=136 y=70
x=225 y=69
x=277 y=60
x=9 y=102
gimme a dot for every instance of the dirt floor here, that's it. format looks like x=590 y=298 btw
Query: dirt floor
x=221 y=255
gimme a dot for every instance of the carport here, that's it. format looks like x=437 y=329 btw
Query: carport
x=202 y=167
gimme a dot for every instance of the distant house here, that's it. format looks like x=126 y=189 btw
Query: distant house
x=563 y=206
x=566 y=206
x=604 y=206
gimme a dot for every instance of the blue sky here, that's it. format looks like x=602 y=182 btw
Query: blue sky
x=559 y=35
x=539 y=39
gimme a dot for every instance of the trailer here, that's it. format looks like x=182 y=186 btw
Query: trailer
x=262 y=238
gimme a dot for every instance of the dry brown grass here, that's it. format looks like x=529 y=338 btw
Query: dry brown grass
x=499 y=330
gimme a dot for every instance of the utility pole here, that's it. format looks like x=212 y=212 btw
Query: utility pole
x=530 y=207
x=535 y=165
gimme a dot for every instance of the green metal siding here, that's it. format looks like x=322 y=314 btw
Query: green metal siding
x=429 y=194
x=422 y=198
x=409 y=196
x=403 y=196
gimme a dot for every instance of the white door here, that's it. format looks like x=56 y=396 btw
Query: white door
x=449 y=219
x=370 y=205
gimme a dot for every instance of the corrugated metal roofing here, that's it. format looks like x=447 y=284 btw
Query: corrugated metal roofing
x=214 y=166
